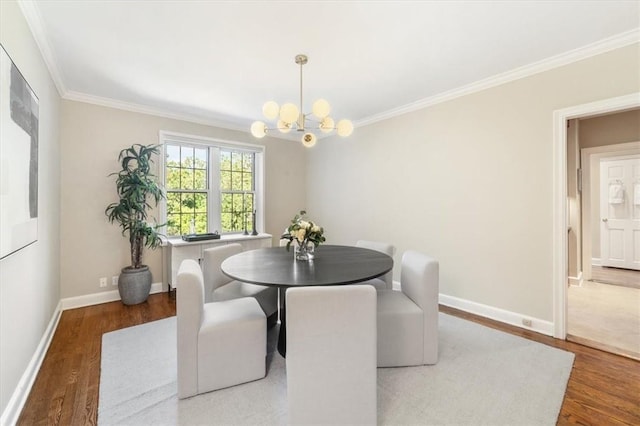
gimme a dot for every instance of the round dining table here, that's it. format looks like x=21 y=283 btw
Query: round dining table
x=331 y=265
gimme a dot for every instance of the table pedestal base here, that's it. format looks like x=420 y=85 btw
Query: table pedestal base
x=282 y=335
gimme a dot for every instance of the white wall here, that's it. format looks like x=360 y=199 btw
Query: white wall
x=29 y=278
x=468 y=181
x=91 y=139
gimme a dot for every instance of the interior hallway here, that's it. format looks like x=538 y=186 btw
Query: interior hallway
x=605 y=316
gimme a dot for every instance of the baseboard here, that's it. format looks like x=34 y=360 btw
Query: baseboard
x=98 y=298
x=508 y=317
x=19 y=397
x=577 y=281
x=595 y=261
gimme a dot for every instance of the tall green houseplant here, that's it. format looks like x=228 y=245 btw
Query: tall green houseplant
x=139 y=192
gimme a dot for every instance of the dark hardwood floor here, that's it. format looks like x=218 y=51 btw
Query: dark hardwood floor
x=604 y=389
x=66 y=389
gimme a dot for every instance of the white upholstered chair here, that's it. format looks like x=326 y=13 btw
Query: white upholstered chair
x=408 y=319
x=331 y=355
x=220 y=344
x=220 y=287
x=386 y=281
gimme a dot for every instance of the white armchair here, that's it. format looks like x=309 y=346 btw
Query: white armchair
x=408 y=319
x=220 y=344
x=331 y=355
x=386 y=281
x=219 y=287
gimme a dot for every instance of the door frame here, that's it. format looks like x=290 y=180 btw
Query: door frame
x=559 y=238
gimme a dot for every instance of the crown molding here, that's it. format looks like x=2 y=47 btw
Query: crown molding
x=32 y=15
x=34 y=21
x=144 y=109
x=602 y=46
x=166 y=113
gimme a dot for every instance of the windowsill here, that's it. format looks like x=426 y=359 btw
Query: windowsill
x=178 y=241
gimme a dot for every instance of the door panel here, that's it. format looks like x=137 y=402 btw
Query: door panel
x=619 y=213
x=616 y=245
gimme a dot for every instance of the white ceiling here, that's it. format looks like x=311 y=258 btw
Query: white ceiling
x=218 y=62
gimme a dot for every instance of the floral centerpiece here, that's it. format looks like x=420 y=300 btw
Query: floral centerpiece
x=305 y=235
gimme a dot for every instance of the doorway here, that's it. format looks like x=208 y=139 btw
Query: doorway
x=559 y=243
x=603 y=299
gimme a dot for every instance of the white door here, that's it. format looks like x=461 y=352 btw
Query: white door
x=620 y=213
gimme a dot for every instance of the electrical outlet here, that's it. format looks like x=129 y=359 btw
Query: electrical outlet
x=526 y=322
x=114 y=280
x=103 y=282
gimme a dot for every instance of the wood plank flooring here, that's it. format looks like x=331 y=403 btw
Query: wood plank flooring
x=604 y=389
x=66 y=389
x=605 y=317
x=616 y=276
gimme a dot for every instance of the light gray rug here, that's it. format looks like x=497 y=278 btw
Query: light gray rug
x=484 y=377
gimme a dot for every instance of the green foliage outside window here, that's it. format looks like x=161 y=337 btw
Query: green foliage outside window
x=186 y=180
x=186 y=184
x=236 y=190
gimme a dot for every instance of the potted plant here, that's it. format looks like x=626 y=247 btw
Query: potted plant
x=138 y=192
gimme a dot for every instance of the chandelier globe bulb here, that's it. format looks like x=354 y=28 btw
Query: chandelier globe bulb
x=284 y=127
x=270 y=110
x=289 y=113
x=321 y=108
x=309 y=140
x=344 y=128
x=327 y=125
x=259 y=129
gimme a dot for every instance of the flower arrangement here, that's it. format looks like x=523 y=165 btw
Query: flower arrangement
x=303 y=231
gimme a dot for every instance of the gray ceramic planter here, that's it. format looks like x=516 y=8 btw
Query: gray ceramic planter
x=134 y=285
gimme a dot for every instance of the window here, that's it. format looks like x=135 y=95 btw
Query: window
x=236 y=190
x=211 y=185
x=186 y=184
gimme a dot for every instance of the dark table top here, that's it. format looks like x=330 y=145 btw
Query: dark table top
x=332 y=265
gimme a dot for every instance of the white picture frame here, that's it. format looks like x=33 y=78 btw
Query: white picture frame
x=19 y=122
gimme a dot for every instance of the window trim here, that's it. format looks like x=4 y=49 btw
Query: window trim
x=214 y=201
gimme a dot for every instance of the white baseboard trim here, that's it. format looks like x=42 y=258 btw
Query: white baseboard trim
x=508 y=317
x=98 y=298
x=595 y=261
x=577 y=281
x=19 y=397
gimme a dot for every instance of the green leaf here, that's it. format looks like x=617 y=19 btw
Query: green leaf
x=138 y=191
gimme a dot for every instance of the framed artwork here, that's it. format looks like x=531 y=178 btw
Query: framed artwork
x=18 y=159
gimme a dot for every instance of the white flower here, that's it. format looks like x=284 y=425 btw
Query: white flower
x=304 y=224
x=302 y=230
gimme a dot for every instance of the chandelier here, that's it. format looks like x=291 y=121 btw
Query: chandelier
x=289 y=117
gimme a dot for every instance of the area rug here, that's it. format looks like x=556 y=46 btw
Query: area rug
x=483 y=377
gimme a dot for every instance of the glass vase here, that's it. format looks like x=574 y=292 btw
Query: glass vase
x=304 y=251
